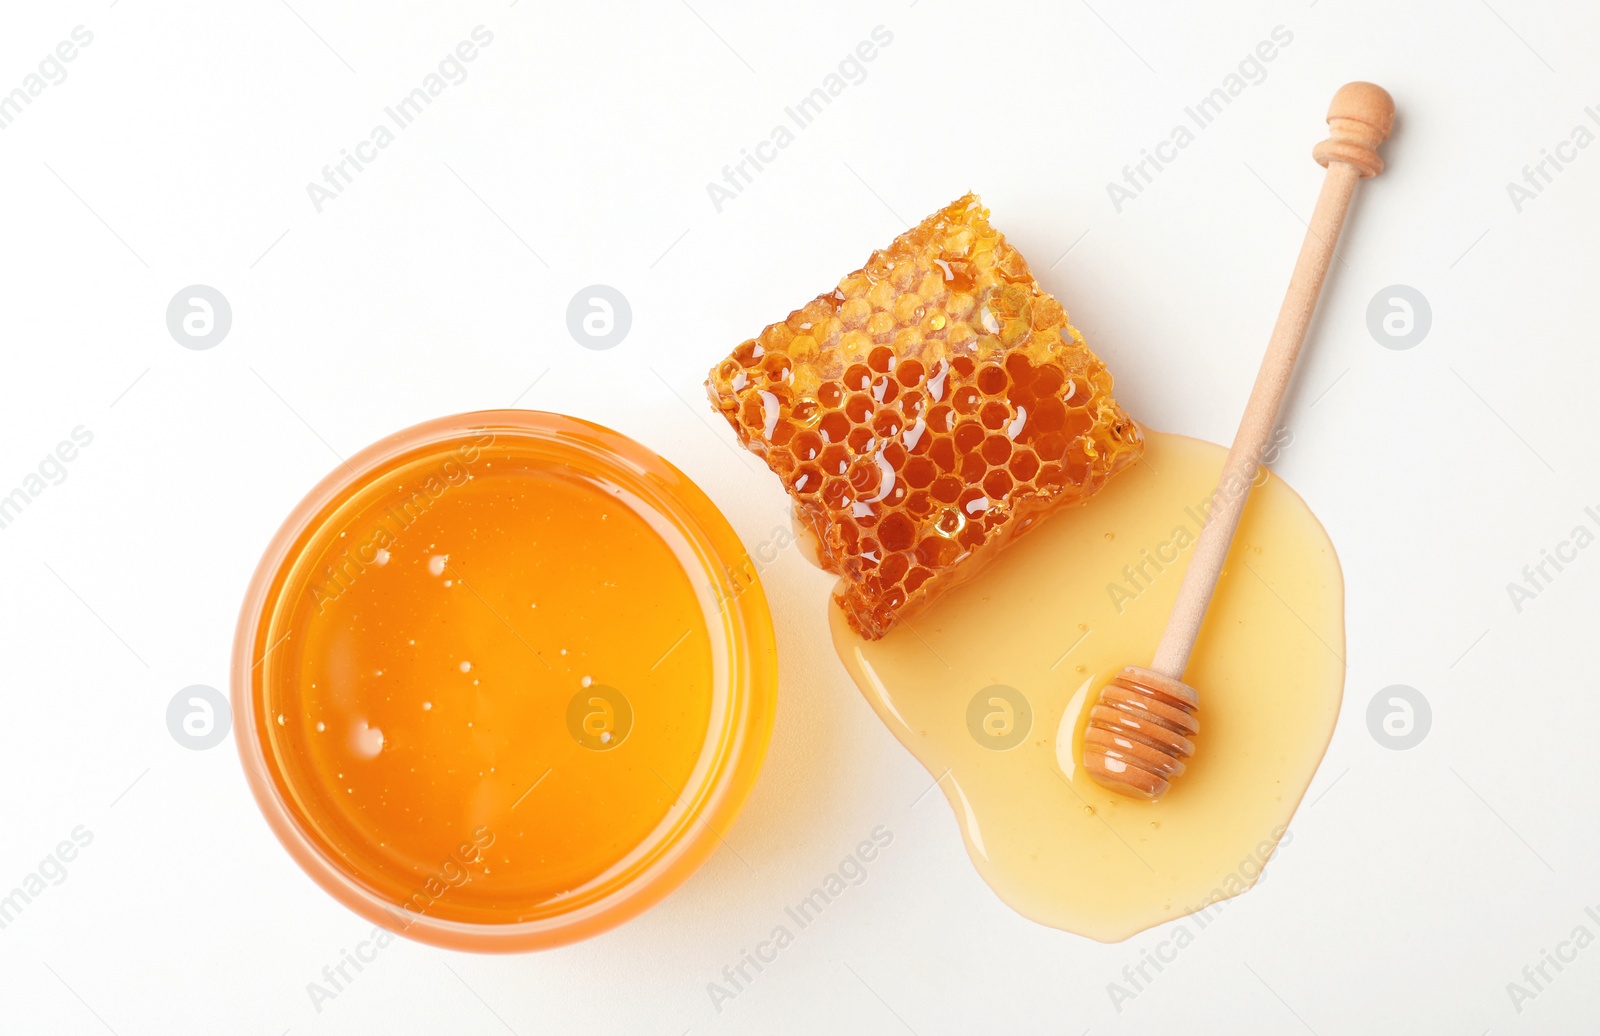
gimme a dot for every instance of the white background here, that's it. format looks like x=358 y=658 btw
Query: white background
x=577 y=151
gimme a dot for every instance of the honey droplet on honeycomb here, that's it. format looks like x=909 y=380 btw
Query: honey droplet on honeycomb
x=940 y=405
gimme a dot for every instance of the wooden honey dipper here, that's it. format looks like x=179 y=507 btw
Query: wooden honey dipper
x=1142 y=727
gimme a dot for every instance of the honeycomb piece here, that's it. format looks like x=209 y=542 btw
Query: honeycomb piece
x=922 y=415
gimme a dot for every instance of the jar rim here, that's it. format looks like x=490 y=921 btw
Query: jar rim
x=747 y=642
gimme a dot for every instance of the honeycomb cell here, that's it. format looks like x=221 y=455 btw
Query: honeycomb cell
x=920 y=472
x=1047 y=382
x=897 y=532
x=915 y=409
x=1047 y=416
x=895 y=565
x=1018 y=366
x=930 y=409
x=1076 y=423
x=973 y=502
x=994 y=415
x=996 y=449
x=1024 y=465
x=904 y=277
x=834 y=426
x=807 y=480
x=776 y=365
x=950 y=522
x=946 y=488
x=806 y=412
x=807 y=445
x=968 y=436
x=865 y=478
x=858 y=408
x=936 y=552
x=847 y=536
x=907 y=341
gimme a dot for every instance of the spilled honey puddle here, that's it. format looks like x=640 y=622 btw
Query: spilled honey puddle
x=990 y=689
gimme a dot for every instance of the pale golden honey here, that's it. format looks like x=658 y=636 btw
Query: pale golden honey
x=1043 y=628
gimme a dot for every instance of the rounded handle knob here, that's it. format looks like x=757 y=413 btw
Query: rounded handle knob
x=1359 y=119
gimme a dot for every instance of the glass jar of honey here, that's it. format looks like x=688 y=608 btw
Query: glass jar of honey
x=503 y=680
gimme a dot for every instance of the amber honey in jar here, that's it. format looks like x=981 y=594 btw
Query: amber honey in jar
x=502 y=680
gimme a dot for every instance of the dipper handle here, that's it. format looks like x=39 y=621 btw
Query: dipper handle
x=1359 y=119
